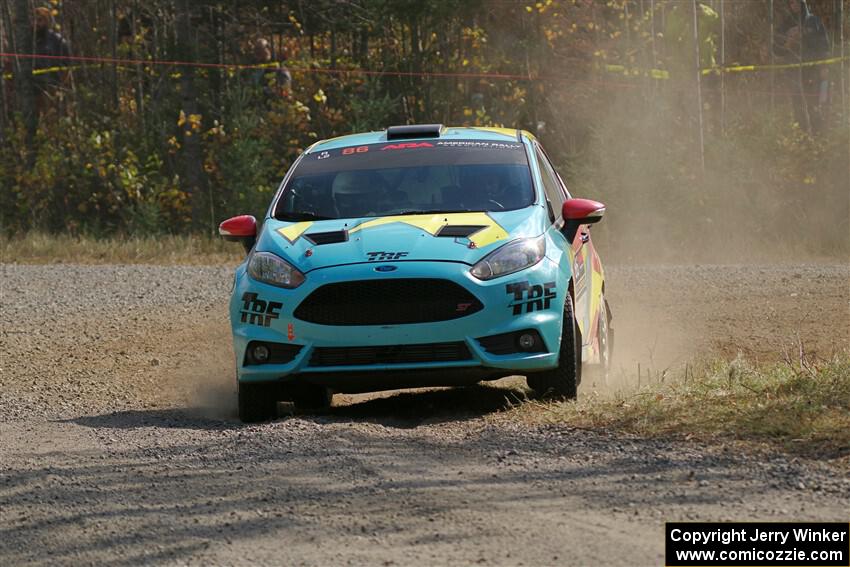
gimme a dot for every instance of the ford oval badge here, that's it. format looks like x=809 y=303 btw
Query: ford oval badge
x=386 y=268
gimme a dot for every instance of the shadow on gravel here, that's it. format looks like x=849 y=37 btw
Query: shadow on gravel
x=405 y=410
x=174 y=418
x=182 y=497
x=413 y=408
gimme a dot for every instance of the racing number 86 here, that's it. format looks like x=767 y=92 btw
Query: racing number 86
x=357 y=150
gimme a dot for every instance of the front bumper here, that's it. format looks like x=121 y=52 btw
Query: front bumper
x=510 y=303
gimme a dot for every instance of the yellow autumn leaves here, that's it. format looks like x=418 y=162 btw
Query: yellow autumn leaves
x=193 y=121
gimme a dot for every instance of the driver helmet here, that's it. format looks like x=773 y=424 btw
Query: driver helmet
x=356 y=193
x=484 y=187
x=491 y=183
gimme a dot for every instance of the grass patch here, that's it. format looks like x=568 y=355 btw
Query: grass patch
x=801 y=406
x=39 y=248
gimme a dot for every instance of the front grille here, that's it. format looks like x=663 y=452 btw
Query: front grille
x=387 y=302
x=390 y=354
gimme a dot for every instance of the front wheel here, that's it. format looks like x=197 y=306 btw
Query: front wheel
x=563 y=380
x=311 y=398
x=257 y=401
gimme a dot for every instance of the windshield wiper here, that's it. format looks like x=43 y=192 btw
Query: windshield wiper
x=429 y=211
x=302 y=216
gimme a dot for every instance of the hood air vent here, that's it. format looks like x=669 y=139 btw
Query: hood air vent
x=319 y=238
x=458 y=230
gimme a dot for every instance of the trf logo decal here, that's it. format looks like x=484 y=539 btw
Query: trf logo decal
x=257 y=311
x=385 y=256
x=532 y=297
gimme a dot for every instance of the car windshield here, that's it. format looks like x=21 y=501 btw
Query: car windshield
x=419 y=177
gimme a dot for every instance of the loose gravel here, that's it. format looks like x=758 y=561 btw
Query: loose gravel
x=119 y=443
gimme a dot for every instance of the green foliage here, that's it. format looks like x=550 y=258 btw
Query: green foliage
x=150 y=149
x=371 y=107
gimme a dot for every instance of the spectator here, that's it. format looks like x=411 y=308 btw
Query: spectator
x=50 y=43
x=273 y=78
x=802 y=37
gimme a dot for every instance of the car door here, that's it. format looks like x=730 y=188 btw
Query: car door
x=581 y=251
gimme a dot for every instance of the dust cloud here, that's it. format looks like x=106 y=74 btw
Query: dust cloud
x=705 y=246
x=200 y=374
x=767 y=192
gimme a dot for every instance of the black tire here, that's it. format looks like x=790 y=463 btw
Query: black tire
x=609 y=336
x=563 y=380
x=311 y=398
x=257 y=402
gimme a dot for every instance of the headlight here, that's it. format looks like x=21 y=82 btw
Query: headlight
x=512 y=257
x=268 y=268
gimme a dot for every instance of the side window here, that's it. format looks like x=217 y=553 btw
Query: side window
x=564 y=186
x=551 y=185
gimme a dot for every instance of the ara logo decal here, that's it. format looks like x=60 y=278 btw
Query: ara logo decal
x=256 y=311
x=532 y=297
x=385 y=256
x=408 y=146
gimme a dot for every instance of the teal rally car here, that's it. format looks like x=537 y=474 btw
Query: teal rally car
x=417 y=256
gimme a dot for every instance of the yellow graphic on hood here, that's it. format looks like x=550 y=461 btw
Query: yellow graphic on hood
x=490 y=231
x=294 y=231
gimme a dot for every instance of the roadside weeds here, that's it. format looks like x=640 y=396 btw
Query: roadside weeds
x=799 y=405
x=167 y=249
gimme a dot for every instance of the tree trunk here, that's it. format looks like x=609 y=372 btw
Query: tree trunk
x=216 y=75
x=140 y=80
x=22 y=42
x=113 y=48
x=192 y=156
x=5 y=45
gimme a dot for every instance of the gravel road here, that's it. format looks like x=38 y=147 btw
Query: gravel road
x=119 y=443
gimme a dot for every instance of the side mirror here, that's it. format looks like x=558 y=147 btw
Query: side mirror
x=240 y=229
x=577 y=212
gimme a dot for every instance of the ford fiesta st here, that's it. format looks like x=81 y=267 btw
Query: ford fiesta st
x=412 y=257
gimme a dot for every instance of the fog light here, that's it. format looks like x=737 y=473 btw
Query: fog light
x=260 y=354
x=526 y=341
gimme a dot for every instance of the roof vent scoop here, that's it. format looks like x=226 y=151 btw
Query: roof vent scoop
x=414 y=131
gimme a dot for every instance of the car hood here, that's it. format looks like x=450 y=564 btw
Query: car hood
x=453 y=237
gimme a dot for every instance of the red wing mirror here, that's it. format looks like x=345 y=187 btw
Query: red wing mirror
x=584 y=211
x=577 y=212
x=240 y=229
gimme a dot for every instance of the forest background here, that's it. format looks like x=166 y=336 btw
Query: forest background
x=693 y=164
